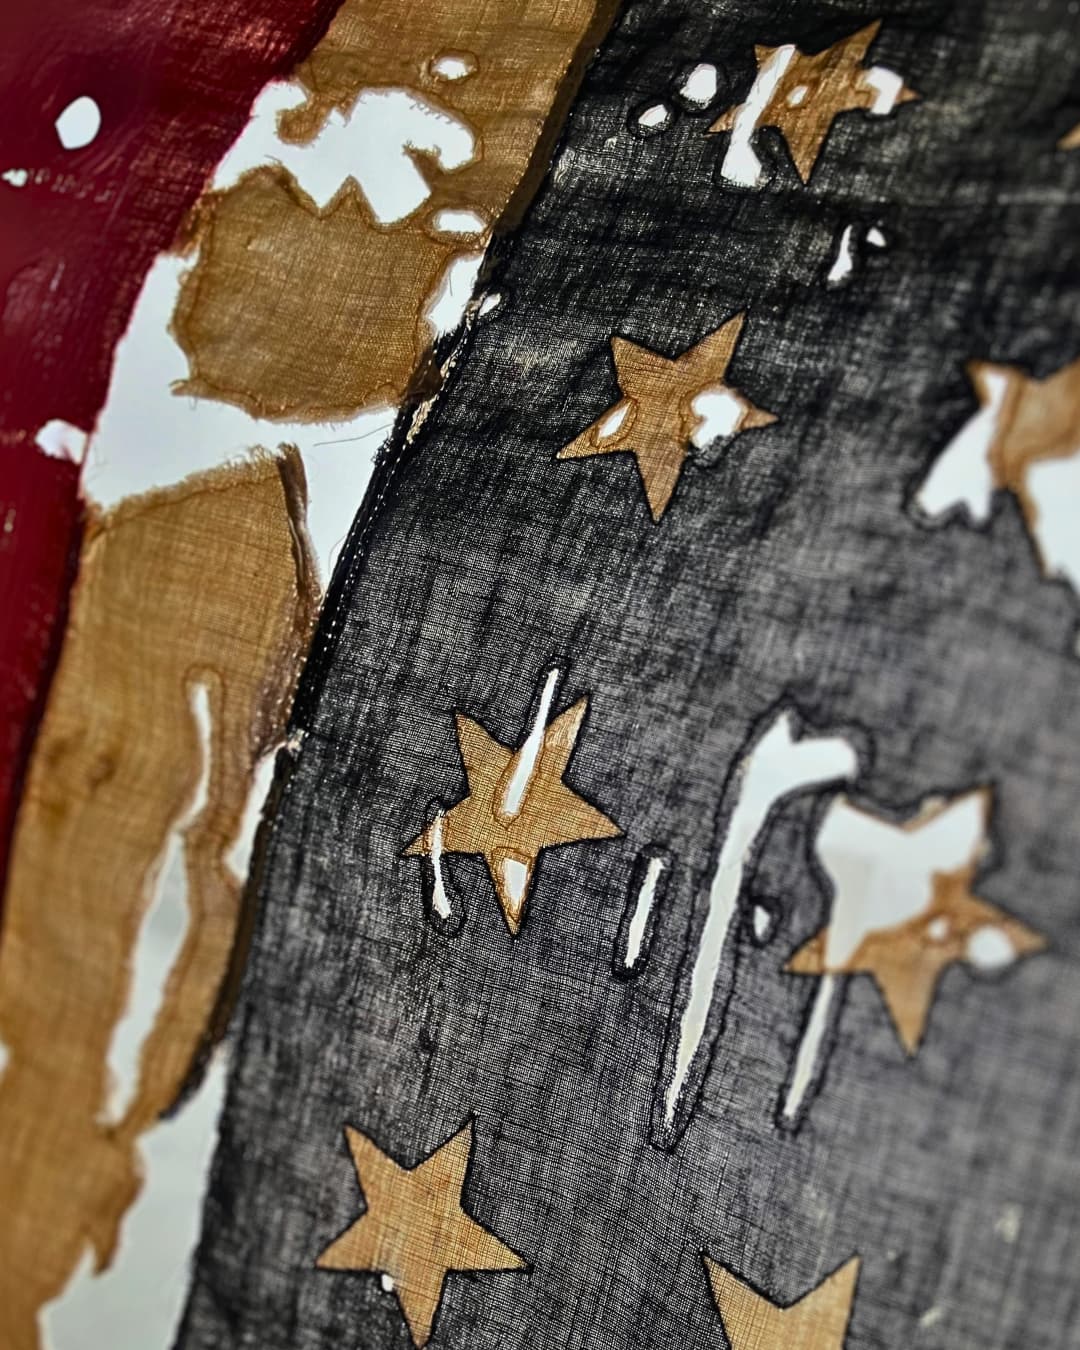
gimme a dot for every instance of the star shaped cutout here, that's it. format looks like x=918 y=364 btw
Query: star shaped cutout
x=907 y=960
x=656 y=420
x=1071 y=139
x=414 y=1230
x=812 y=90
x=817 y=1321
x=517 y=804
x=1037 y=420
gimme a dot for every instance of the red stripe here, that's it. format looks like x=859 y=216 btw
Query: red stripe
x=174 y=81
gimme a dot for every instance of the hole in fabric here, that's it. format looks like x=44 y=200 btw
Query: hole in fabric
x=62 y=440
x=1053 y=486
x=844 y=262
x=741 y=164
x=648 y=882
x=764 y=921
x=518 y=803
x=524 y=763
x=699 y=87
x=720 y=412
x=79 y=123
x=515 y=876
x=1024 y=439
x=903 y=910
x=875 y=237
x=447 y=306
x=440 y=903
x=611 y=424
x=659 y=436
x=800 y=96
x=146 y=1284
x=238 y=859
x=161 y=934
x=809 y=1066
x=198 y=433
x=990 y=949
x=443 y=904
x=375 y=140
x=883 y=873
x=961 y=475
x=656 y=117
x=454 y=65
x=490 y=302
x=779 y=764
x=453 y=221
x=16 y=177
x=888 y=87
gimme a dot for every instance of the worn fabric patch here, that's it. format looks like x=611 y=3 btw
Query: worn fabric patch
x=112 y=117
x=314 y=309
x=204 y=588
x=792 y=1061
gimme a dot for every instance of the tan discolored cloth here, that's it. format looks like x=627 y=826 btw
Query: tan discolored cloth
x=510 y=830
x=295 y=311
x=415 y=1228
x=817 y=1321
x=209 y=584
x=1038 y=420
x=813 y=91
x=655 y=420
x=907 y=960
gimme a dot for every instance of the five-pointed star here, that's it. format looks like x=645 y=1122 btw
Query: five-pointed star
x=1037 y=420
x=813 y=90
x=414 y=1230
x=655 y=419
x=514 y=811
x=817 y=1321
x=907 y=960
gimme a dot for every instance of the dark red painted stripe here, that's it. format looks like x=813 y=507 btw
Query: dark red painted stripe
x=174 y=81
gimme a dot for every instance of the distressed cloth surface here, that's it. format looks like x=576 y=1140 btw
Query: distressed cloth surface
x=204 y=589
x=790 y=569
x=173 y=82
x=334 y=297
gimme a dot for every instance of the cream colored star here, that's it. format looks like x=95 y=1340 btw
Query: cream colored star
x=414 y=1230
x=517 y=804
x=656 y=419
x=817 y=1321
x=908 y=931
x=801 y=95
x=1071 y=139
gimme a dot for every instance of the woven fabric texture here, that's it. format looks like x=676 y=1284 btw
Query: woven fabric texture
x=648 y=1083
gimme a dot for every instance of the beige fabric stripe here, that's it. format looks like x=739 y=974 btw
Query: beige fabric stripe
x=292 y=310
x=210 y=582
